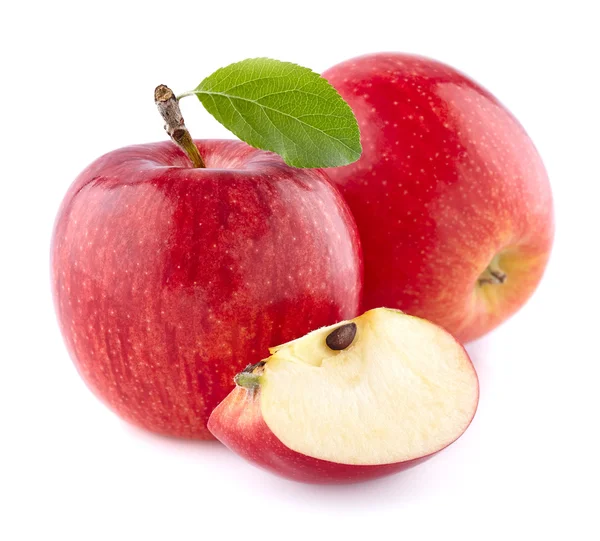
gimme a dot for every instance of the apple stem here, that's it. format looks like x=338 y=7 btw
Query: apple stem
x=493 y=274
x=168 y=106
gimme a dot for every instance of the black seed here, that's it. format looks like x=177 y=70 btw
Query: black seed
x=341 y=337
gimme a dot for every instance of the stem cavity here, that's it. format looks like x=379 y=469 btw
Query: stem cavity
x=168 y=107
x=493 y=274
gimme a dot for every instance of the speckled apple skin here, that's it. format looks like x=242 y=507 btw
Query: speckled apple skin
x=168 y=280
x=238 y=423
x=448 y=178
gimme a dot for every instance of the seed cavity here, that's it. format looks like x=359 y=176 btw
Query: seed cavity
x=341 y=337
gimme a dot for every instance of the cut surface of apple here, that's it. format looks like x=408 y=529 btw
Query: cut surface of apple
x=393 y=389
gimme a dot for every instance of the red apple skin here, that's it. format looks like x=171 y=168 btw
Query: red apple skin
x=168 y=280
x=238 y=423
x=448 y=179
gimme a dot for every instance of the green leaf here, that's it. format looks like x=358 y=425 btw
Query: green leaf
x=285 y=108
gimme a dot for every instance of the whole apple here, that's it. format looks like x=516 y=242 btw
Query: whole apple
x=169 y=279
x=450 y=196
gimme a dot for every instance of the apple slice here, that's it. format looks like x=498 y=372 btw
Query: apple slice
x=353 y=401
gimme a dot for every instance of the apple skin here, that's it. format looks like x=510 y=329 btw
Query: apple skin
x=448 y=183
x=168 y=280
x=237 y=422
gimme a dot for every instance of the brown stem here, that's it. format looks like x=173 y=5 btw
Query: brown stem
x=168 y=106
x=493 y=274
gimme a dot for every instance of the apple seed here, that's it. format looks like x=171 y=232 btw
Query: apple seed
x=341 y=337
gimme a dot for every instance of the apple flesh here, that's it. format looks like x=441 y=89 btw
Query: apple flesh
x=450 y=196
x=168 y=279
x=399 y=391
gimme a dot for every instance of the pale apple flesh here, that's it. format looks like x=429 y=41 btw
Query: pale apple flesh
x=401 y=391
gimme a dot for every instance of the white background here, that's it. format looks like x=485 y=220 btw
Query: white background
x=77 y=81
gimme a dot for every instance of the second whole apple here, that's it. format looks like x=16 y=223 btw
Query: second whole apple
x=451 y=198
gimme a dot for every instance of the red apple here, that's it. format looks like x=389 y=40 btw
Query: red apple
x=450 y=196
x=169 y=279
x=351 y=402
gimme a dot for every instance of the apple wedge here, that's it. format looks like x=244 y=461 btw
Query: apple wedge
x=353 y=401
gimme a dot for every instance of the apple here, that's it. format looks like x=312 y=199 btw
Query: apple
x=169 y=279
x=352 y=401
x=451 y=198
